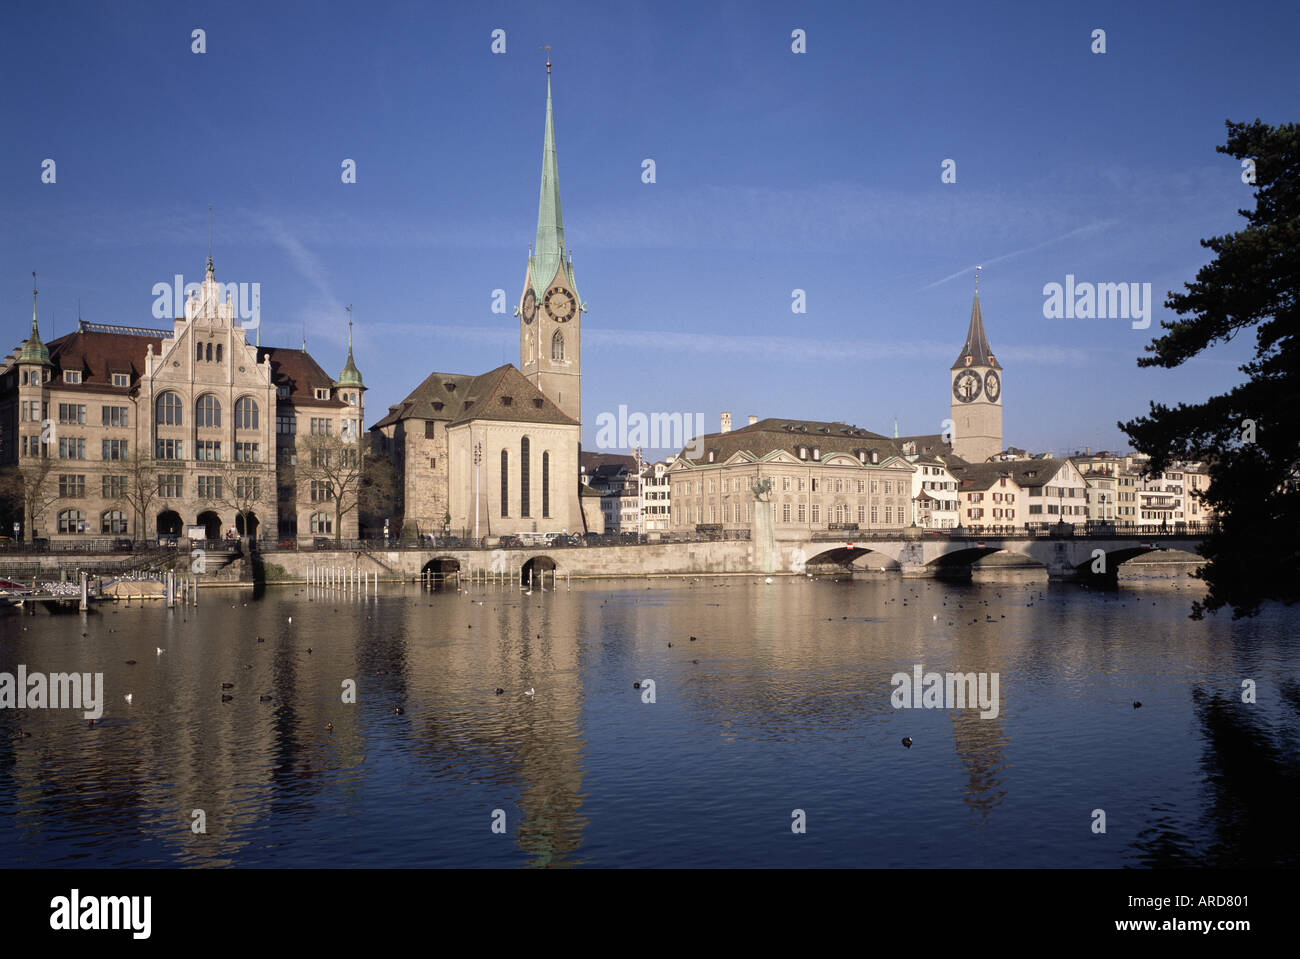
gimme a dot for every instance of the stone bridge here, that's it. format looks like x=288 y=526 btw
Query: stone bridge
x=1090 y=556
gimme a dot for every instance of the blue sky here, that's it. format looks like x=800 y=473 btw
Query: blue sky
x=775 y=172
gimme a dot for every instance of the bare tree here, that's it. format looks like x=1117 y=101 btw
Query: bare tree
x=242 y=487
x=31 y=485
x=331 y=466
x=141 y=487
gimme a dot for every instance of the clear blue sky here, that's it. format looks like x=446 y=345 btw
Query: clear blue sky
x=775 y=171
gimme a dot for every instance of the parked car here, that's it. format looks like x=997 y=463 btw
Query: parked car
x=123 y=544
x=322 y=542
x=510 y=542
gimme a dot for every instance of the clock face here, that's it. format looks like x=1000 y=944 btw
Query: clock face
x=967 y=386
x=992 y=386
x=560 y=304
x=529 y=307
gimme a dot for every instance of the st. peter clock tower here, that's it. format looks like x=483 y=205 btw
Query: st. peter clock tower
x=550 y=311
x=976 y=394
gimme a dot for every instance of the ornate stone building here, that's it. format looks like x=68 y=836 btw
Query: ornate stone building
x=137 y=432
x=498 y=453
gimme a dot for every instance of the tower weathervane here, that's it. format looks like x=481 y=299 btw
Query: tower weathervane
x=977 y=280
x=547 y=48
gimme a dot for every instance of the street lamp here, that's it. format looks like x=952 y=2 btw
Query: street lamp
x=478 y=458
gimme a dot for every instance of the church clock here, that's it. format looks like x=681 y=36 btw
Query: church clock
x=992 y=386
x=560 y=304
x=966 y=386
x=529 y=308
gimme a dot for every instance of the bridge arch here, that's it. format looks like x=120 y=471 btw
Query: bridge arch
x=438 y=571
x=536 y=571
x=850 y=557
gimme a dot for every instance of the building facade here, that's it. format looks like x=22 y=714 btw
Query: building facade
x=141 y=433
x=976 y=404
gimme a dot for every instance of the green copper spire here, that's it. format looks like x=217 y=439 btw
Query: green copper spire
x=34 y=351
x=351 y=376
x=548 y=254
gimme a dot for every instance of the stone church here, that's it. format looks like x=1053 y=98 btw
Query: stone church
x=497 y=453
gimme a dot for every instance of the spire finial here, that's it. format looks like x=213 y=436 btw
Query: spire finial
x=33 y=302
x=210 y=238
x=977 y=280
x=547 y=48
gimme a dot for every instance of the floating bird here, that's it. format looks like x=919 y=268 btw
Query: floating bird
x=1136 y=704
x=500 y=691
x=308 y=650
x=127 y=697
x=692 y=639
x=248 y=665
x=260 y=639
x=670 y=645
x=329 y=727
x=227 y=685
x=161 y=650
x=398 y=710
x=130 y=662
x=291 y=619
x=529 y=691
x=265 y=699
x=768 y=581
x=636 y=685
x=226 y=698
x=695 y=661
x=907 y=741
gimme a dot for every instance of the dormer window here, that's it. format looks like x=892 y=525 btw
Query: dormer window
x=537 y=402
x=121 y=379
x=449 y=387
x=875 y=457
x=862 y=456
x=507 y=400
x=72 y=376
x=322 y=394
x=282 y=392
x=803 y=452
x=438 y=405
x=711 y=455
x=817 y=452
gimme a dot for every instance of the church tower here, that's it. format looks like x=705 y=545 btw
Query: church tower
x=976 y=393
x=550 y=310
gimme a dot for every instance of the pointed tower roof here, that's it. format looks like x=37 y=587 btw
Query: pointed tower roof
x=351 y=376
x=976 y=351
x=34 y=351
x=548 y=254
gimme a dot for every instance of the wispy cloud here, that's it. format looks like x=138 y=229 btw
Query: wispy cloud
x=1090 y=228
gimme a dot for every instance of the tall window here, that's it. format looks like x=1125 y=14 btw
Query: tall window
x=523 y=477
x=113 y=521
x=322 y=523
x=72 y=521
x=505 y=483
x=546 y=484
x=245 y=413
x=168 y=410
x=557 y=346
x=207 y=411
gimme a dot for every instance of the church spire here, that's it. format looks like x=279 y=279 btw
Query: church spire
x=351 y=376
x=548 y=254
x=34 y=351
x=976 y=351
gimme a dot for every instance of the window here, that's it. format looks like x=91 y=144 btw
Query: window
x=505 y=483
x=168 y=410
x=113 y=521
x=170 y=485
x=247 y=488
x=72 y=521
x=198 y=352
x=209 y=353
x=31 y=411
x=430 y=428
x=546 y=484
x=321 y=491
x=874 y=515
x=245 y=413
x=114 y=450
x=322 y=394
x=72 y=376
x=889 y=515
x=207 y=450
x=524 y=504
x=816 y=513
x=170 y=450
x=322 y=524
x=861 y=517
x=246 y=453
x=862 y=487
x=287 y=456
x=113 y=487
x=282 y=392
x=121 y=379
x=785 y=512
x=286 y=425
x=207 y=411
x=209 y=487
x=72 y=486
x=557 y=346
x=115 y=416
x=785 y=484
x=72 y=449
x=802 y=513
x=322 y=458
x=320 y=426
x=72 y=413
x=218 y=352
x=816 y=485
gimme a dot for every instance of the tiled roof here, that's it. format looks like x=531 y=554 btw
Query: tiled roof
x=977 y=343
x=768 y=435
x=973 y=477
x=303 y=375
x=98 y=355
x=501 y=394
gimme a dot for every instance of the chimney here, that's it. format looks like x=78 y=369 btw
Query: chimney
x=726 y=423
x=752 y=419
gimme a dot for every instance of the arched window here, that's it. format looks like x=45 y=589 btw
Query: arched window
x=557 y=346
x=546 y=483
x=198 y=352
x=523 y=477
x=72 y=521
x=209 y=352
x=245 y=413
x=168 y=410
x=207 y=411
x=218 y=352
x=322 y=524
x=505 y=483
x=113 y=521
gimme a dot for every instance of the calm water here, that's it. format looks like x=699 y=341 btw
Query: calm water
x=788 y=707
